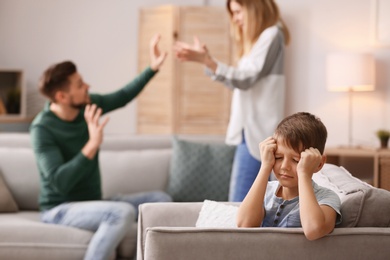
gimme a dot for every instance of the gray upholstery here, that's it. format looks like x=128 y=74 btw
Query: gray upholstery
x=129 y=164
x=264 y=243
x=168 y=230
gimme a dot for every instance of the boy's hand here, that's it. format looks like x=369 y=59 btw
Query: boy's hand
x=267 y=152
x=310 y=162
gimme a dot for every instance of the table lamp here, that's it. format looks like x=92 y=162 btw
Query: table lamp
x=350 y=72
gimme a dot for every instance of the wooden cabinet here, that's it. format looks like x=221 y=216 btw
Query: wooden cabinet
x=12 y=95
x=181 y=99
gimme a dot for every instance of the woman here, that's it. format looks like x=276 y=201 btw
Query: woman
x=257 y=82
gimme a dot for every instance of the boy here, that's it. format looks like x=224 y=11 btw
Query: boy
x=294 y=153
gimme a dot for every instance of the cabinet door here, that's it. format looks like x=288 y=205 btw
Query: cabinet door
x=155 y=105
x=203 y=105
x=181 y=99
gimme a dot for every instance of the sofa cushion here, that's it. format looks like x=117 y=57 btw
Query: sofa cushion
x=23 y=236
x=200 y=171
x=129 y=171
x=20 y=172
x=361 y=204
x=7 y=202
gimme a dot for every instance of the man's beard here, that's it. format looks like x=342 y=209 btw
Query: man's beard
x=80 y=105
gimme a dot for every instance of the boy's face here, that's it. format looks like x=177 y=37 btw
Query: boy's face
x=285 y=167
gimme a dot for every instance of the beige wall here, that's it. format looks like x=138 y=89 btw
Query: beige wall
x=100 y=36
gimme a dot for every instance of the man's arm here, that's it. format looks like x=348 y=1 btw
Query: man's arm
x=63 y=175
x=131 y=90
x=251 y=211
x=317 y=220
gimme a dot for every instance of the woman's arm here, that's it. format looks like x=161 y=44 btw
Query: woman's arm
x=265 y=54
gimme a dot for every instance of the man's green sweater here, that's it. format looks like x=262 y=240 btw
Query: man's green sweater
x=66 y=174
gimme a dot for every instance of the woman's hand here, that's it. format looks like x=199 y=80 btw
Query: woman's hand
x=156 y=57
x=196 y=52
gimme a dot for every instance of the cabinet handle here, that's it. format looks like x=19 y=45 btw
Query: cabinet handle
x=175 y=35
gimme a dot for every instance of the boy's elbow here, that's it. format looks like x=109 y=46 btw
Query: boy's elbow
x=316 y=233
x=246 y=223
x=312 y=236
x=242 y=224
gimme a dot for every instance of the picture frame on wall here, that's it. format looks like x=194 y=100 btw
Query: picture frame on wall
x=380 y=23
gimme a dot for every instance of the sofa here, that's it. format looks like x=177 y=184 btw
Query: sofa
x=129 y=164
x=173 y=230
x=132 y=164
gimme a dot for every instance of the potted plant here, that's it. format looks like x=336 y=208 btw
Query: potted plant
x=383 y=136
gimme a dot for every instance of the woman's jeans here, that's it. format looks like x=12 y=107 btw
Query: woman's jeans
x=109 y=220
x=244 y=172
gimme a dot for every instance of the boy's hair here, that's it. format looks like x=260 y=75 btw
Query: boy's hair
x=56 y=78
x=301 y=131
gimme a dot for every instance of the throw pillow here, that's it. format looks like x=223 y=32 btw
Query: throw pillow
x=216 y=214
x=7 y=202
x=361 y=204
x=200 y=171
x=20 y=171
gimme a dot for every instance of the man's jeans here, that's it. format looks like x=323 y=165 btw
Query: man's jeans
x=109 y=220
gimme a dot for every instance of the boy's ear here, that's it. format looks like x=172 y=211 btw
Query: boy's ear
x=323 y=161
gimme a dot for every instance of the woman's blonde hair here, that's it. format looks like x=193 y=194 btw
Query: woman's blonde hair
x=258 y=15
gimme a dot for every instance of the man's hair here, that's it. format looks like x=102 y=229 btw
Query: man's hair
x=56 y=77
x=301 y=131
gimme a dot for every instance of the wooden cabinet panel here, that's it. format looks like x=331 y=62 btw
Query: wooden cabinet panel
x=384 y=173
x=181 y=98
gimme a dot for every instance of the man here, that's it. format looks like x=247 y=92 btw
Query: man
x=66 y=136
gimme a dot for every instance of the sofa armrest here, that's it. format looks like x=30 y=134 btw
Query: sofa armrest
x=167 y=231
x=264 y=243
x=170 y=214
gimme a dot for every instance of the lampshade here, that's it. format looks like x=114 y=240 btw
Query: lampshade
x=350 y=72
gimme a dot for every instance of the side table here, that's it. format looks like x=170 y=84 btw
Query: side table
x=380 y=157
